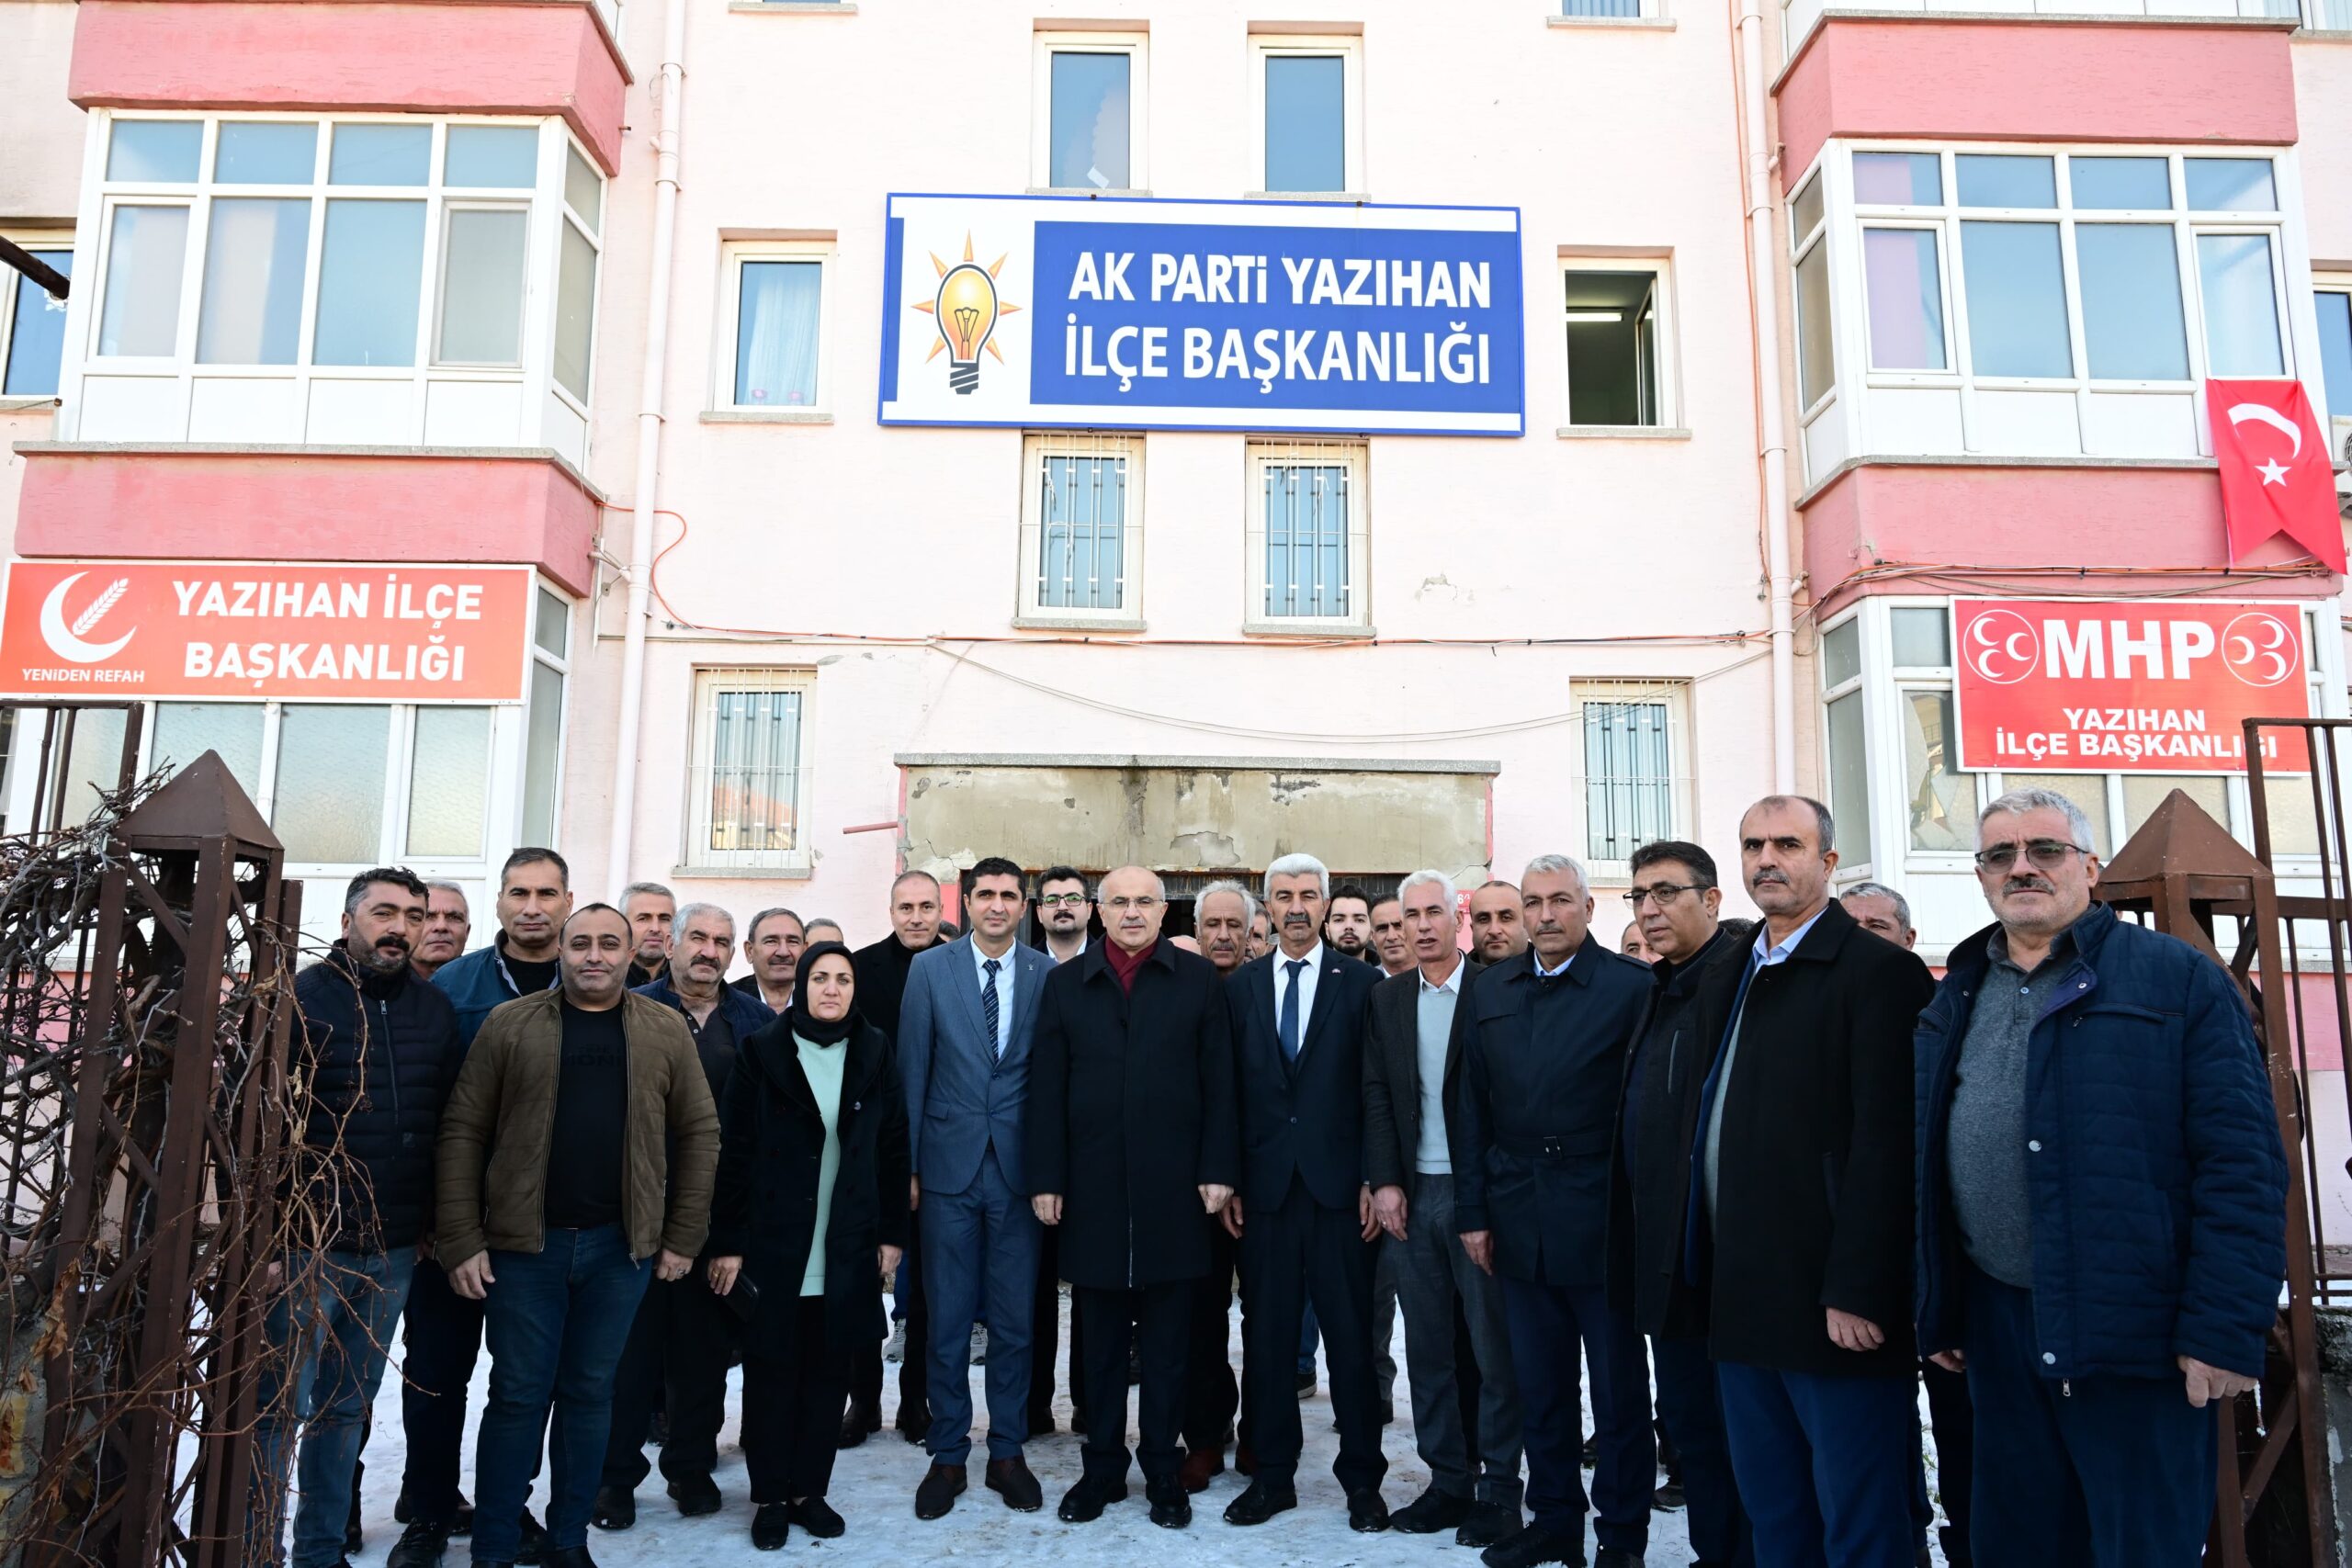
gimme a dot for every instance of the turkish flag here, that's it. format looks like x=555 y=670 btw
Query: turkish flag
x=2276 y=478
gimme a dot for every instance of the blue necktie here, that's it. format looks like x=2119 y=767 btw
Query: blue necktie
x=1290 y=1010
x=988 y=1002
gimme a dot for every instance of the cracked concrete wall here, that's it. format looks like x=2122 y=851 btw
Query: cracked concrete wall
x=1202 y=819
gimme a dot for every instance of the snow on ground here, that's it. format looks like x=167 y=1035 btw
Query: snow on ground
x=874 y=1488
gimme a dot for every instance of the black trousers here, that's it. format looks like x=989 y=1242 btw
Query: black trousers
x=1045 y=1339
x=793 y=1391
x=441 y=1340
x=1158 y=1316
x=914 y=1383
x=1212 y=1394
x=1293 y=1253
x=678 y=1352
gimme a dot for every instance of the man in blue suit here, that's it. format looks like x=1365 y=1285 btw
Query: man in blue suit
x=1299 y=1025
x=964 y=1033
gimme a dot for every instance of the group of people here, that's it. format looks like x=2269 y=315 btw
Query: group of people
x=1746 y=1175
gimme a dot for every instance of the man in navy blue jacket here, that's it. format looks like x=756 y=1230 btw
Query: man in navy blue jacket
x=2102 y=1207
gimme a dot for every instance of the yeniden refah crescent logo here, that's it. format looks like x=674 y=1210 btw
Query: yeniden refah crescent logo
x=966 y=310
x=67 y=641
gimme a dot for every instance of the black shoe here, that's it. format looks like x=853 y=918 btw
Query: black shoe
x=1260 y=1502
x=461 y=1518
x=1535 y=1545
x=1488 y=1524
x=1431 y=1512
x=420 y=1546
x=1616 y=1557
x=940 y=1488
x=815 y=1516
x=1010 y=1479
x=770 y=1527
x=861 y=1419
x=1306 y=1385
x=1669 y=1497
x=533 y=1551
x=354 y=1537
x=403 y=1511
x=1084 y=1503
x=568 y=1557
x=614 y=1509
x=914 y=1426
x=1367 y=1512
x=696 y=1495
x=1170 y=1509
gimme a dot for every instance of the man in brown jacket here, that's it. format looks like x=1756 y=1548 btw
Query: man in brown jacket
x=559 y=1201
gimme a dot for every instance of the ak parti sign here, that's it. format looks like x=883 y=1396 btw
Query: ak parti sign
x=196 y=629
x=2128 y=686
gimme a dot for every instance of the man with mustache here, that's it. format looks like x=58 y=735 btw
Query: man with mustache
x=1222 y=915
x=652 y=911
x=1262 y=934
x=1498 y=927
x=448 y=921
x=773 y=945
x=1064 y=907
x=1800 y=1232
x=678 y=1345
x=2102 y=1225
x=1347 y=924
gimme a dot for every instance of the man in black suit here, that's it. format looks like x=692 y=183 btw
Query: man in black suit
x=1298 y=1024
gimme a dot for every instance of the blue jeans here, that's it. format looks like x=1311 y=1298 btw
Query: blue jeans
x=557 y=1320
x=339 y=1346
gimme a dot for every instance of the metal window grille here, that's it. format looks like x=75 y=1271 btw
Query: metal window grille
x=1308 y=513
x=1629 y=775
x=751 y=783
x=1600 y=7
x=1082 y=522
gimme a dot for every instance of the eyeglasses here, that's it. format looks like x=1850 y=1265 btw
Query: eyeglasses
x=2045 y=854
x=1120 y=906
x=1074 y=900
x=1665 y=892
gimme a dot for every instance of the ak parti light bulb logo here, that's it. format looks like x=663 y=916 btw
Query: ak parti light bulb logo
x=965 y=310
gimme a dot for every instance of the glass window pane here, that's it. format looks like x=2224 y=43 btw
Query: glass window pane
x=2133 y=325
x=1841 y=654
x=575 y=313
x=1600 y=7
x=542 y=753
x=2335 y=349
x=1088 y=128
x=2110 y=184
x=1083 y=517
x=329 y=804
x=449 y=789
x=145 y=256
x=1898 y=179
x=1922 y=638
x=1989 y=179
x=93 y=762
x=184 y=731
x=481 y=286
x=754 y=770
x=2240 y=310
x=2294 y=817
x=1804 y=212
x=2086 y=790
x=162 y=152
x=1906 y=301
x=2231 y=185
x=1306 y=538
x=1849 y=795
x=2142 y=793
x=492 y=157
x=252 y=281
x=267 y=153
x=1306 y=122
x=1629 y=777
x=1612 y=370
x=37 y=335
x=371 y=276
x=1942 y=804
x=380 y=155
x=1816 y=363
x=2016 y=299
x=552 y=630
x=775 y=334
x=583 y=188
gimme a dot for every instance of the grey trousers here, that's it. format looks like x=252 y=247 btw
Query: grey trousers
x=1431 y=1270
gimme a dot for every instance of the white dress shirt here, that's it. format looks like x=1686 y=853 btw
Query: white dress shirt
x=980 y=962
x=1307 y=978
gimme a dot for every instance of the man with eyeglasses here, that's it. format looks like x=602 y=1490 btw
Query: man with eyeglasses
x=1064 y=907
x=1676 y=907
x=2102 y=1224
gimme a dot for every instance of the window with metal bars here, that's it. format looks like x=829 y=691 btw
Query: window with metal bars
x=1309 y=505
x=748 y=767
x=1631 y=789
x=1080 y=528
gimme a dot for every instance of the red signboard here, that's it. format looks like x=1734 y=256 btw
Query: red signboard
x=2125 y=686
x=198 y=629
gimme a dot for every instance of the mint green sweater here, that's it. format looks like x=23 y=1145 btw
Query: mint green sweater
x=822 y=1063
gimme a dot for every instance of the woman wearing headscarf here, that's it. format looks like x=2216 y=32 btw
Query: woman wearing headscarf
x=811 y=1201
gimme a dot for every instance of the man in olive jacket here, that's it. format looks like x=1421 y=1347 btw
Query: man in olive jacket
x=555 y=1194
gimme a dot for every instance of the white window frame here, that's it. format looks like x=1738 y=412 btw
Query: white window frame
x=1137 y=46
x=1349 y=49
x=1035 y=447
x=2340 y=426
x=1675 y=696
x=1860 y=687
x=563 y=665
x=733 y=254
x=560 y=214
x=1665 y=349
x=31 y=240
x=694 y=858
x=1258 y=455
x=1801 y=248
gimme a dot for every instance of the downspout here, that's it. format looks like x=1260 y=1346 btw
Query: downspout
x=1771 y=417
x=669 y=86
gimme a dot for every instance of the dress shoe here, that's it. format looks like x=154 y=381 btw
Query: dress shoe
x=420 y=1546
x=1170 y=1509
x=696 y=1495
x=1590 y=1458
x=1367 y=1512
x=1669 y=1497
x=941 y=1486
x=861 y=1419
x=914 y=1425
x=1488 y=1524
x=1306 y=1385
x=533 y=1552
x=1200 y=1467
x=770 y=1527
x=1259 y=1504
x=1084 y=1503
x=614 y=1509
x=1010 y=1479
x=1431 y=1512
x=461 y=1518
x=354 y=1537
x=1616 y=1557
x=1535 y=1545
x=816 y=1517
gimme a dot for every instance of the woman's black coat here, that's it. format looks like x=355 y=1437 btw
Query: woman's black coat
x=764 y=1208
x=1130 y=1112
